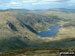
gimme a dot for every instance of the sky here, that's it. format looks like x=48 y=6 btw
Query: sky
x=36 y=4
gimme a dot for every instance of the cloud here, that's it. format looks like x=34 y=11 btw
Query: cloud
x=50 y=0
x=64 y=0
x=43 y=2
x=71 y=1
x=40 y=3
x=31 y=1
x=14 y=3
x=4 y=1
x=34 y=3
x=70 y=4
x=53 y=0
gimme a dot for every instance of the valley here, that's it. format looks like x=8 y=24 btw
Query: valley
x=19 y=29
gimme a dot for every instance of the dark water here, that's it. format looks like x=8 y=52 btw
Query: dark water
x=52 y=32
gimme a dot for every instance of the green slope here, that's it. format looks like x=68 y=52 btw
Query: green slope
x=19 y=28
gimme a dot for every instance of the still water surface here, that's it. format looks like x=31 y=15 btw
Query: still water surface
x=53 y=31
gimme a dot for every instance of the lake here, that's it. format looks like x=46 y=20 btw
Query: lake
x=52 y=31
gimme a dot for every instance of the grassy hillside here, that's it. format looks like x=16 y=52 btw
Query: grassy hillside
x=19 y=28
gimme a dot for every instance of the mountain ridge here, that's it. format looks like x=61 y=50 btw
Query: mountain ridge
x=18 y=28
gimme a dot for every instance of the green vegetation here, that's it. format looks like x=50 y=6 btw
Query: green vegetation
x=19 y=28
x=37 y=52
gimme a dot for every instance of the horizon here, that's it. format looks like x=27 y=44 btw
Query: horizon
x=36 y=9
x=37 y=4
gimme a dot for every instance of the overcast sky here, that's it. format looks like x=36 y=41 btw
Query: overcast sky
x=37 y=4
